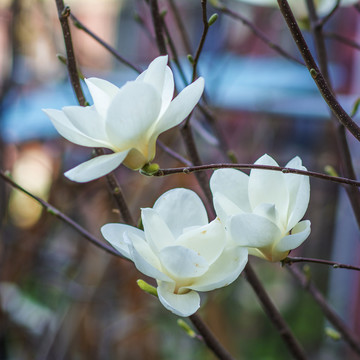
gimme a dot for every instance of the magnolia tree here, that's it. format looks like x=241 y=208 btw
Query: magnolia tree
x=183 y=246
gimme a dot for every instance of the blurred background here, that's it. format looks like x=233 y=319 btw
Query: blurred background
x=63 y=298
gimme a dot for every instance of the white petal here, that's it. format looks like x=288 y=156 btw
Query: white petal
x=144 y=258
x=224 y=271
x=102 y=92
x=155 y=73
x=157 y=232
x=208 y=240
x=114 y=234
x=233 y=184
x=69 y=131
x=253 y=230
x=131 y=114
x=269 y=212
x=299 y=191
x=298 y=235
x=182 y=263
x=181 y=106
x=89 y=122
x=168 y=90
x=179 y=304
x=266 y=186
x=224 y=207
x=181 y=208
x=96 y=167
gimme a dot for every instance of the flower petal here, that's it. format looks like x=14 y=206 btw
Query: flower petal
x=179 y=304
x=157 y=232
x=131 y=114
x=89 y=122
x=299 y=192
x=114 y=234
x=181 y=106
x=155 y=74
x=144 y=258
x=270 y=187
x=233 y=184
x=102 y=92
x=181 y=208
x=208 y=240
x=252 y=230
x=224 y=271
x=96 y=167
x=182 y=262
x=66 y=129
x=298 y=235
x=224 y=207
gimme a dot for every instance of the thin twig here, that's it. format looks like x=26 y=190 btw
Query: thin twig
x=336 y=265
x=342 y=39
x=182 y=30
x=109 y=48
x=202 y=39
x=342 y=143
x=285 y=170
x=325 y=19
x=64 y=13
x=258 y=33
x=330 y=314
x=57 y=213
x=272 y=312
x=158 y=26
x=315 y=72
x=209 y=338
x=173 y=153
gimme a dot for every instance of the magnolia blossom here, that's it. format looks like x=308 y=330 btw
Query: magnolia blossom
x=126 y=120
x=262 y=211
x=180 y=249
x=299 y=7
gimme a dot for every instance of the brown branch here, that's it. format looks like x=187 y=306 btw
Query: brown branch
x=209 y=338
x=344 y=151
x=330 y=314
x=336 y=265
x=57 y=213
x=315 y=72
x=173 y=153
x=202 y=39
x=158 y=26
x=258 y=33
x=196 y=168
x=64 y=13
x=275 y=317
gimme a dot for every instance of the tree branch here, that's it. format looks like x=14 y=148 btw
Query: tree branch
x=315 y=72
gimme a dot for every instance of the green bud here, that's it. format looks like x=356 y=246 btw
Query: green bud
x=185 y=326
x=150 y=169
x=331 y=171
x=144 y=286
x=62 y=58
x=163 y=13
x=190 y=58
x=212 y=19
x=232 y=157
x=313 y=73
x=332 y=333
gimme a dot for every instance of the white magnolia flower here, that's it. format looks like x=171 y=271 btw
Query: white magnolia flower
x=180 y=249
x=299 y=7
x=262 y=211
x=126 y=120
